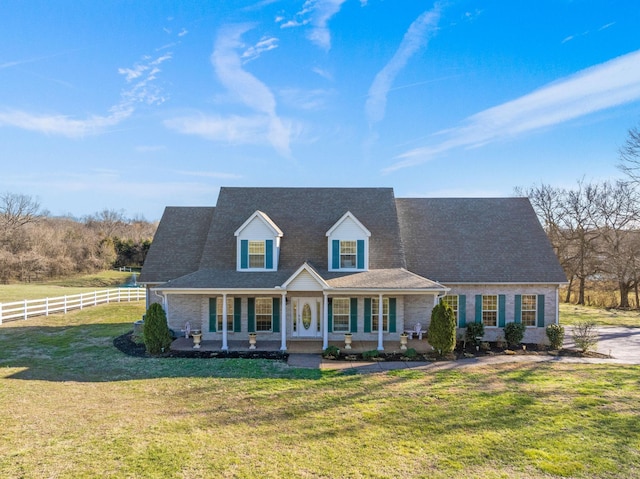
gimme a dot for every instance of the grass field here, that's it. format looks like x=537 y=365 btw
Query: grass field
x=65 y=287
x=571 y=314
x=74 y=406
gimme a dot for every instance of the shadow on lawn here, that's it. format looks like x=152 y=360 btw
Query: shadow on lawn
x=86 y=353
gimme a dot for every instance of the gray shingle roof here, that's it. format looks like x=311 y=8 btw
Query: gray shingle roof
x=177 y=245
x=448 y=240
x=305 y=215
x=476 y=240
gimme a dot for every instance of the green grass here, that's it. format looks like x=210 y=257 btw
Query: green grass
x=571 y=314
x=74 y=406
x=63 y=287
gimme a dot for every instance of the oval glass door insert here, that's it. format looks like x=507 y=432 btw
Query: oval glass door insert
x=306 y=316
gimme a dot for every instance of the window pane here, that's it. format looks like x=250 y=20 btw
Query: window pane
x=452 y=300
x=490 y=310
x=374 y=314
x=263 y=314
x=341 y=310
x=347 y=254
x=256 y=254
x=529 y=304
x=229 y=313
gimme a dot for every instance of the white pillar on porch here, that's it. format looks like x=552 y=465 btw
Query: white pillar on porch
x=283 y=323
x=225 y=328
x=325 y=322
x=380 y=328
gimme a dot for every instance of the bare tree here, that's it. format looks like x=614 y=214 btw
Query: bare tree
x=630 y=155
x=617 y=215
x=16 y=211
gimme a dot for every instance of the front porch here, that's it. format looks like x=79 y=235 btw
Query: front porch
x=296 y=346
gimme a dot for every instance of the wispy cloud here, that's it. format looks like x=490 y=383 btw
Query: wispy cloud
x=609 y=84
x=316 y=14
x=263 y=126
x=306 y=99
x=264 y=45
x=142 y=89
x=416 y=37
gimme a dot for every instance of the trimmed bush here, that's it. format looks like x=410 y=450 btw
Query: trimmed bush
x=370 y=354
x=513 y=333
x=555 y=333
x=156 y=333
x=332 y=351
x=442 y=329
x=474 y=333
x=411 y=353
x=585 y=335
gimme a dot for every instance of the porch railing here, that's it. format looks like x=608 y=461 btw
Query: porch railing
x=29 y=308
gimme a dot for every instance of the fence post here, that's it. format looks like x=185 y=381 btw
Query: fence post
x=46 y=306
x=81 y=295
x=95 y=298
x=25 y=309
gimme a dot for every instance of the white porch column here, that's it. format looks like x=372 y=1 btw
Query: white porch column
x=380 y=328
x=225 y=327
x=325 y=322
x=283 y=323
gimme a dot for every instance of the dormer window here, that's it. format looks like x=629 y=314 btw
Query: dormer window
x=258 y=243
x=348 y=245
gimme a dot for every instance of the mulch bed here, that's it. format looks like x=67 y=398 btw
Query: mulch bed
x=126 y=345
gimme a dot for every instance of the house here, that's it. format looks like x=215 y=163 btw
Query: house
x=311 y=264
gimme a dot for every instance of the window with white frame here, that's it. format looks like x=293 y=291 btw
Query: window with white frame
x=490 y=310
x=385 y=314
x=529 y=308
x=264 y=314
x=348 y=254
x=229 y=313
x=452 y=301
x=341 y=314
x=256 y=254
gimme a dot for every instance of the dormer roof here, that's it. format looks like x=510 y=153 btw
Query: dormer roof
x=265 y=219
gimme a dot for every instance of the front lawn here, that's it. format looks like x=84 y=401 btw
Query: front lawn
x=74 y=406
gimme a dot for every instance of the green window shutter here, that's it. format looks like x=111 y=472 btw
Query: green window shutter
x=330 y=316
x=275 y=315
x=213 y=315
x=244 y=254
x=501 y=310
x=478 y=308
x=354 y=315
x=541 y=310
x=251 y=315
x=268 y=247
x=360 y=251
x=392 y=315
x=517 y=310
x=367 y=315
x=237 y=315
x=462 y=311
x=335 y=254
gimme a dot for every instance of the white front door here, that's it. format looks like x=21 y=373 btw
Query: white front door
x=307 y=317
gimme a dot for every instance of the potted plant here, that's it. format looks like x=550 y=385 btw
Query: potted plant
x=252 y=340
x=347 y=340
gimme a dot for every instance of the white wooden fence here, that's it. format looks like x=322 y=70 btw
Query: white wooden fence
x=44 y=307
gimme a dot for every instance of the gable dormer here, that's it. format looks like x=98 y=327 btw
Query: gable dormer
x=348 y=243
x=258 y=244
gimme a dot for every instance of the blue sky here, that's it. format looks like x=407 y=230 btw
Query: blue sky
x=138 y=105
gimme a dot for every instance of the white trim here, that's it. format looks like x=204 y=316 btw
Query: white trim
x=265 y=219
x=350 y=215
x=305 y=267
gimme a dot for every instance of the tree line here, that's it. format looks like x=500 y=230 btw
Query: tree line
x=595 y=228
x=35 y=245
